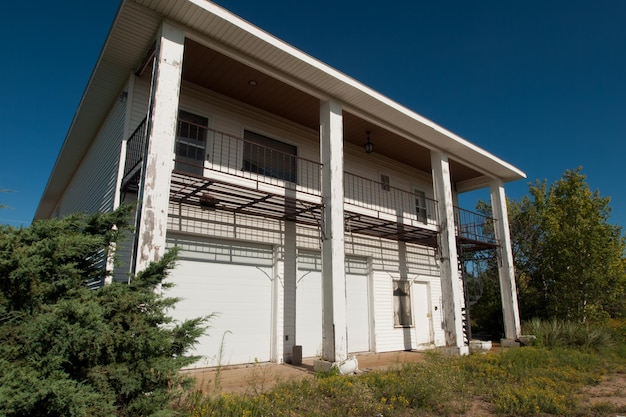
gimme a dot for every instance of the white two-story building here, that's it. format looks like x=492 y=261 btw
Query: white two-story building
x=309 y=210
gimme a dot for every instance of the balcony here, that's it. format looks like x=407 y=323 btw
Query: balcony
x=135 y=148
x=241 y=176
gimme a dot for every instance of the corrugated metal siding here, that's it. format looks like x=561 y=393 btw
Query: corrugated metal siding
x=92 y=188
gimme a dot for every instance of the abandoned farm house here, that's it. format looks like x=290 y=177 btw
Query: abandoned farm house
x=313 y=215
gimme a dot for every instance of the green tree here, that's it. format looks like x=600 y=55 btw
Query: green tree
x=568 y=257
x=577 y=269
x=67 y=350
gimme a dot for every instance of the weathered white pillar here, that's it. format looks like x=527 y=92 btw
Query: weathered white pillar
x=159 y=160
x=506 y=271
x=452 y=296
x=334 y=329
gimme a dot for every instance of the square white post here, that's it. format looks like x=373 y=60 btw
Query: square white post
x=334 y=329
x=506 y=271
x=159 y=159
x=452 y=296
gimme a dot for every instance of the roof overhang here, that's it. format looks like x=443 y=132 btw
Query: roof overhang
x=132 y=34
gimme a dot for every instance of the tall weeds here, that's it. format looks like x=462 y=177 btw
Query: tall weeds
x=557 y=333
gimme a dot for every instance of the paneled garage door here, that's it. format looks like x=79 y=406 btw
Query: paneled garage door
x=309 y=304
x=234 y=282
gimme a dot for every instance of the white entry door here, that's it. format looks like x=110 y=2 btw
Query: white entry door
x=422 y=314
x=237 y=292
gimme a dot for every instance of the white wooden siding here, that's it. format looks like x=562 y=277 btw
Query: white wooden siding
x=140 y=97
x=92 y=188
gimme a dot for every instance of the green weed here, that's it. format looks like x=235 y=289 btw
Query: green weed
x=525 y=381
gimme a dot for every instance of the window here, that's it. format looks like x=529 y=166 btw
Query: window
x=269 y=157
x=421 y=208
x=191 y=135
x=384 y=182
x=402 y=316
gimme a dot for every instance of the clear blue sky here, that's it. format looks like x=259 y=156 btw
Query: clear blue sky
x=540 y=84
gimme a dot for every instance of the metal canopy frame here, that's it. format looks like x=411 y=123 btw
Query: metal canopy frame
x=211 y=194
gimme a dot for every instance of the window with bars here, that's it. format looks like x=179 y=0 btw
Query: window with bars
x=385 y=184
x=421 y=206
x=269 y=157
x=191 y=137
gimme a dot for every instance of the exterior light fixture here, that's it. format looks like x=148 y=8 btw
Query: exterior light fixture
x=369 y=146
x=252 y=83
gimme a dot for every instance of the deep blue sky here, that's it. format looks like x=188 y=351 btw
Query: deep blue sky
x=540 y=84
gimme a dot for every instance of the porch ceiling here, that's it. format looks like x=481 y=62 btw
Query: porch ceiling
x=217 y=72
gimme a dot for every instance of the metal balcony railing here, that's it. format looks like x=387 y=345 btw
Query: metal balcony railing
x=248 y=159
x=220 y=152
x=381 y=197
x=135 y=148
x=474 y=227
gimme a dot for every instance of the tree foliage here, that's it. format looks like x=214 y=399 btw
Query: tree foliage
x=67 y=350
x=569 y=259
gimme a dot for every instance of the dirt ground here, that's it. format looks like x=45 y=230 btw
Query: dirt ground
x=611 y=390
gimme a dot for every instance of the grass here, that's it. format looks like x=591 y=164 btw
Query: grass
x=534 y=380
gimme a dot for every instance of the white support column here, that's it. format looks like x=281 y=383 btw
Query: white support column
x=158 y=165
x=334 y=329
x=506 y=271
x=452 y=296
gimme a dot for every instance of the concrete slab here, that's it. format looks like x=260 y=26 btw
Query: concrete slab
x=255 y=378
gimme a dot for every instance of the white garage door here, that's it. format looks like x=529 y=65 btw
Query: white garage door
x=232 y=281
x=357 y=317
x=309 y=304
